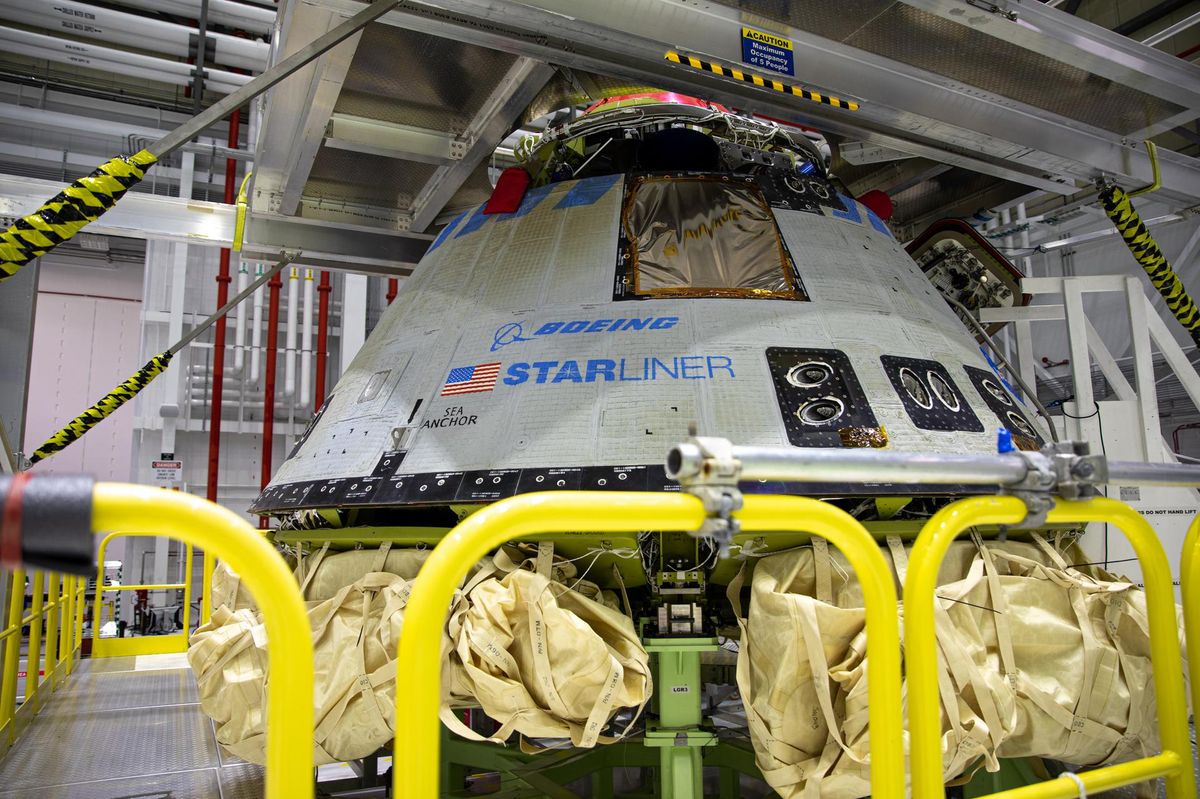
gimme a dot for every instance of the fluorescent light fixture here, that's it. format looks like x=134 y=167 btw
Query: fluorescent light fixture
x=1099 y=234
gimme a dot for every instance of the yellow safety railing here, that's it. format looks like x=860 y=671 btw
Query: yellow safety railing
x=143 y=645
x=54 y=621
x=415 y=773
x=196 y=521
x=1189 y=588
x=924 y=706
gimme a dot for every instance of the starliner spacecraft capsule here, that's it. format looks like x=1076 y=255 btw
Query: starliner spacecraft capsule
x=657 y=262
x=673 y=262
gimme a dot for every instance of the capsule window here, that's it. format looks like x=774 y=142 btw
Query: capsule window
x=943 y=391
x=699 y=236
x=915 y=388
x=994 y=388
x=1017 y=424
x=821 y=411
x=810 y=374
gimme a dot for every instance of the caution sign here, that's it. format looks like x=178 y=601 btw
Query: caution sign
x=768 y=51
x=167 y=472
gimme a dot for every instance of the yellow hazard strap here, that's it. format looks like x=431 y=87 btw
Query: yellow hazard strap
x=1145 y=250
x=105 y=407
x=68 y=211
x=759 y=80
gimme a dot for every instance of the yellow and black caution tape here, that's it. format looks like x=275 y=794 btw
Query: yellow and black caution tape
x=760 y=81
x=67 y=212
x=1145 y=250
x=104 y=408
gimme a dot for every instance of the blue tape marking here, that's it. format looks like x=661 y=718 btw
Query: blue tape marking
x=446 y=232
x=587 y=191
x=877 y=223
x=532 y=200
x=1003 y=380
x=851 y=214
x=476 y=221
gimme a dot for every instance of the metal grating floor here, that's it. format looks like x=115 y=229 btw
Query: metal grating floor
x=120 y=728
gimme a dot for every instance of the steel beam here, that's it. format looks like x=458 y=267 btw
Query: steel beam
x=905 y=108
x=1081 y=44
x=298 y=110
x=335 y=245
x=524 y=79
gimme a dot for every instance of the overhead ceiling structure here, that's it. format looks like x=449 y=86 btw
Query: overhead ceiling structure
x=958 y=102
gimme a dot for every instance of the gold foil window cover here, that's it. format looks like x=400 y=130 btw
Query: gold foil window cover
x=705 y=237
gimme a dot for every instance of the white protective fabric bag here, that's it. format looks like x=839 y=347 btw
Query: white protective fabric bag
x=356 y=626
x=1036 y=658
x=544 y=659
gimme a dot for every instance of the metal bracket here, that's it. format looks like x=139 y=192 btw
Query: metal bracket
x=716 y=485
x=1066 y=469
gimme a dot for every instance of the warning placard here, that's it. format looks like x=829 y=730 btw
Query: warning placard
x=167 y=472
x=767 y=50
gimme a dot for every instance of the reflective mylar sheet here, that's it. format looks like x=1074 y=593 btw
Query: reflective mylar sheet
x=707 y=237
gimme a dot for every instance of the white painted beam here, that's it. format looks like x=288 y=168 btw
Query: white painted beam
x=390 y=140
x=524 y=79
x=298 y=109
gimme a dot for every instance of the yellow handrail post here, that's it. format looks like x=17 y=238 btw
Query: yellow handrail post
x=53 y=614
x=202 y=523
x=415 y=774
x=206 y=588
x=1189 y=588
x=97 y=597
x=186 y=615
x=12 y=653
x=80 y=601
x=924 y=706
x=69 y=624
x=33 y=660
x=64 y=621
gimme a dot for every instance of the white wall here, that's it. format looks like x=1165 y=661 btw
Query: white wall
x=86 y=341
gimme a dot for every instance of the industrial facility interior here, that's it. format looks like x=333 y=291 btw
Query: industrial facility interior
x=599 y=398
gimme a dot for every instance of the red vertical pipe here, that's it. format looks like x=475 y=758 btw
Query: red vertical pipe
x=268 y=434
x=393 y=287
x=223 y=279
x=322 y=340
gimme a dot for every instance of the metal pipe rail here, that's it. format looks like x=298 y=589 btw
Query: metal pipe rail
x=689 y=461
x=196 y=521
x=920 y=646
x=415 y=773
x=149 y=645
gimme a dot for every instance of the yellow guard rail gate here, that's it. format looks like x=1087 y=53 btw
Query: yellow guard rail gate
x=415 y=769
x=924 y=706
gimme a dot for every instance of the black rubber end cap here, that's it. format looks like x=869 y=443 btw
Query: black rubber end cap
x=56 y=522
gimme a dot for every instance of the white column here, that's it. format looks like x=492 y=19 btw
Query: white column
x=354 y=317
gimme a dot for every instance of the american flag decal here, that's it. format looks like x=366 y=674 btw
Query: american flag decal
x=471 y=379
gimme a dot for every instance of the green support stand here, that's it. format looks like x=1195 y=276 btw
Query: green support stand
x=677 y=733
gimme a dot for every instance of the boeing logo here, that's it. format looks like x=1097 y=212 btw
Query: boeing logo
x=514 y=332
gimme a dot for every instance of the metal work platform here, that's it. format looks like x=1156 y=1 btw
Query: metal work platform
x=124 y=727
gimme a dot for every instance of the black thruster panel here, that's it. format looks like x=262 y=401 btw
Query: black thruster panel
x=566 y=479
x=932 y=399
x=819 y=395
x=488 y=485
x=389 y=463
x=613 y=478
x=1002 y=403
x=790 y=189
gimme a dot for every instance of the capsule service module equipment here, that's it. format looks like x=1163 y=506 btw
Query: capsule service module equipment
x=674 y=262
